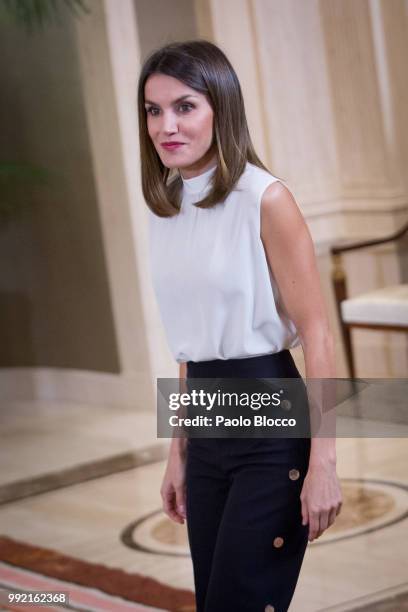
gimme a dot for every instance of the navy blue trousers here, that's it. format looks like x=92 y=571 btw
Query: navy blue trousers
x=244 y=520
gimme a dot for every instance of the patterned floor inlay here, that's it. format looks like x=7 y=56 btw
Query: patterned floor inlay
x=91 y=586
x=368 y=505
x=81 y=473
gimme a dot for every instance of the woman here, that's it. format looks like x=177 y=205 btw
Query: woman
x=237 y=286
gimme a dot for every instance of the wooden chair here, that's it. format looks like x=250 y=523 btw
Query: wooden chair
x=384 y=309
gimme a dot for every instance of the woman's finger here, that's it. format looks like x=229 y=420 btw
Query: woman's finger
x=305 y=513
x=332 y=515
x=323 y=522
x=313 y=525
x=181 y=501
x=170 y=509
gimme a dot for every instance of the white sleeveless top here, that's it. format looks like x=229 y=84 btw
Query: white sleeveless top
x=215 y=290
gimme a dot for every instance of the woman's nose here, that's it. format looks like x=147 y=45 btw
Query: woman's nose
x=169 y=124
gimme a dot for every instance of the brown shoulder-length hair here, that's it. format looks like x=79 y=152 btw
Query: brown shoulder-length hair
x=202 y=66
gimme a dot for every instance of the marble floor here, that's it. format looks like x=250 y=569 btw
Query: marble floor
x=116 y=519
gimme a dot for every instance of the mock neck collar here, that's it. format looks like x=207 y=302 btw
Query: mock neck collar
x=199 y=183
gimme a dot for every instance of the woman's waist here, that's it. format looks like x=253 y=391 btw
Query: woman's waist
x=277 y=364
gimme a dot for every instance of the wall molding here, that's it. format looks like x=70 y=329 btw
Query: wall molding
x=60 y=385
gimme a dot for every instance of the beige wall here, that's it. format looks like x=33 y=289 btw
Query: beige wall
x=160 y=22
x=55 y=306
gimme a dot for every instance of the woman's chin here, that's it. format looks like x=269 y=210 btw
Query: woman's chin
x=170 y=163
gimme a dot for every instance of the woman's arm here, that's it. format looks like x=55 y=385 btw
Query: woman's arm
x=178 y=443
x=290 y=254
x=173 y=487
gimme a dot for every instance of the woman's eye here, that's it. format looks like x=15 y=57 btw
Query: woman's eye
x=186 y=107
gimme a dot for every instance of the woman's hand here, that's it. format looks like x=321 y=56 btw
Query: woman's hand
x=321 y=498
x=173 y=489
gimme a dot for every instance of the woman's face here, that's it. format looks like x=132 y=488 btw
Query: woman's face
x=180 y=124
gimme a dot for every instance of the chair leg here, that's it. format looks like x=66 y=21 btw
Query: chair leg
x=348 y=348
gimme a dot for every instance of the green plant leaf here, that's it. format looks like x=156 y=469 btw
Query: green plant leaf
x=37 y=14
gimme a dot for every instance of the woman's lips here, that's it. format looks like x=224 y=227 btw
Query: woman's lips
x=171 y=146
